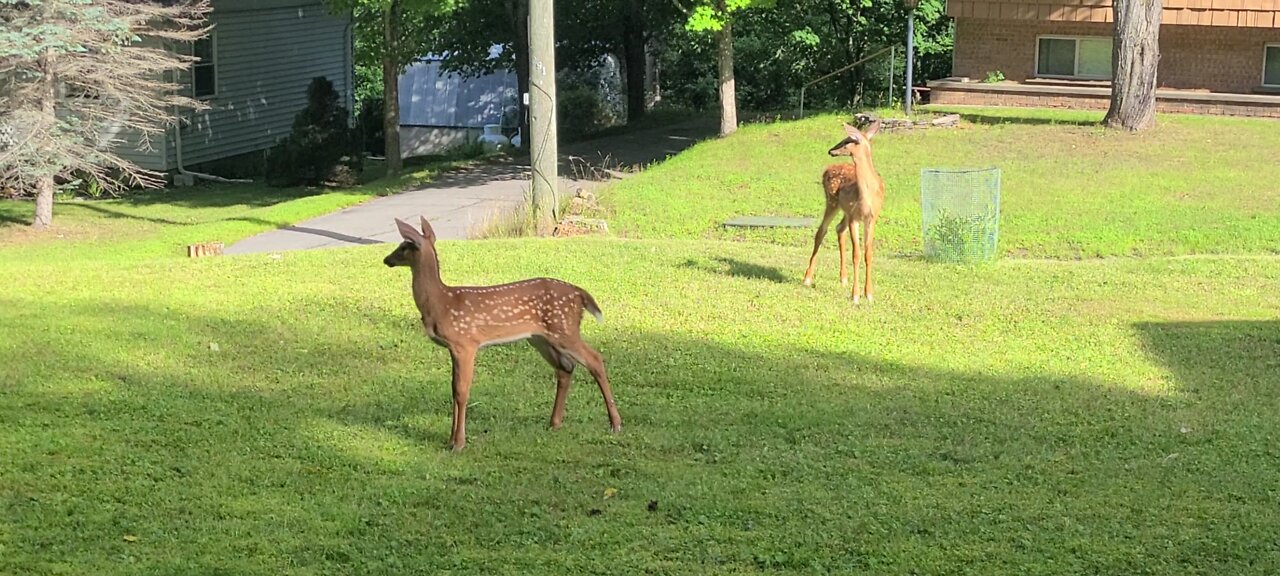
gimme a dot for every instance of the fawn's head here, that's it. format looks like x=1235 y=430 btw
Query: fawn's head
x=415 y=245
x=856 y=145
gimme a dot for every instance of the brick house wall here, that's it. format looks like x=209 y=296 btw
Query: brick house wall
x=1214 y=58
x=1217 y=58
x=951 y=96
x=983 y=46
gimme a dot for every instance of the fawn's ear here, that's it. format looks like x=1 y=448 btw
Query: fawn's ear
x=853 y=133
x=872 y=130
x=427 y=231
x=408 y=233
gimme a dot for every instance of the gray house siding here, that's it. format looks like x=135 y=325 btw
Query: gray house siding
x=266 y=54
x=129 y=145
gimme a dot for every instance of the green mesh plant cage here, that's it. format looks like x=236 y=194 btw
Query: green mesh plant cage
x=960 y=210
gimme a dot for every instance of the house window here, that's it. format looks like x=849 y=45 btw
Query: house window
x=1271 y=66
x=204 y=72
x=1084 y=58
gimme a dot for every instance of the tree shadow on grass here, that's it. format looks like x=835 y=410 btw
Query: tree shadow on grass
x=996 y=118
x=739 y=269
x=12 y=220
x=1239 y=357
x=323 y=440
x=117 y=214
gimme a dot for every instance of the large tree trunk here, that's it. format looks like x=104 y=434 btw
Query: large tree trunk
x=635 y=60
x=44 y=184
x=518 y=10
x=728 y=95
x=1136 y=56
x=391 y=87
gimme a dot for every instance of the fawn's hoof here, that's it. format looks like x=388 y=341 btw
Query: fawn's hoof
x=616 y=428
x=808 y=282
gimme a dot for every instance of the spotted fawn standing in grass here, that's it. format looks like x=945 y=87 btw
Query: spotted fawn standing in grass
x=857 y=190
x=463 y=319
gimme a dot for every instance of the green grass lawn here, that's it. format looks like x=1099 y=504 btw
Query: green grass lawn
x=1070 y=189
x=161 y=223
x=259 y=415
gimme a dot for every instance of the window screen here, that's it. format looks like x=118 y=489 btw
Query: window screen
x=1271 y=70
x=1095 y=58
x=1057 y=57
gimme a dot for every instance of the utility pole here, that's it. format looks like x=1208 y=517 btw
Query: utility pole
x=543 y=152
x=911 y=49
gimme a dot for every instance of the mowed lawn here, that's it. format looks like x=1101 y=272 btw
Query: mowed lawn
x=285 y=415
x=1071 y=189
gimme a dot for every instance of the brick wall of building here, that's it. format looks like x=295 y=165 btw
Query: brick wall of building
x=977 y=98
x=1220 y=59
x=1217 y=58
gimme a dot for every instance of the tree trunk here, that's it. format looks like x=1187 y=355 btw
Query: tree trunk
x=728 y=95
x=653 y=74
x=518 y=10
x=635 y=60
x=44 y=203
x=48 y=117
x=391 y=87
x=1136 y=56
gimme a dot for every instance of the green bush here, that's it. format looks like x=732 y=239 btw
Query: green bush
x=322 y=149
x=580 y=112
x=954 y=238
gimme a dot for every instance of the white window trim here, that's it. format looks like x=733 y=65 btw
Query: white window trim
x=1265 y=49
x=217 y=83
x=1076 y=62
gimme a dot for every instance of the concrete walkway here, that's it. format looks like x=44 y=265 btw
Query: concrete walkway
x=458 y=202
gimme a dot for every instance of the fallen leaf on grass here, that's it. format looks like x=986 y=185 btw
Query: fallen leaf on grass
x=610 y=493
x=130 y=538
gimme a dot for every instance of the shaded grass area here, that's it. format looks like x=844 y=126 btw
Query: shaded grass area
x=1071 y=189
x=160 y=223
x=260 y=415
x=1018 y=418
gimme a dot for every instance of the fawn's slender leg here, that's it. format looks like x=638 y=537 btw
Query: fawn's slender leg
x=595 y=363
x=564 y=380
x=827 y=215
x=868 y=250
x=464 y=364
x=564 y=377
x=842 y=234
x=853 y=239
